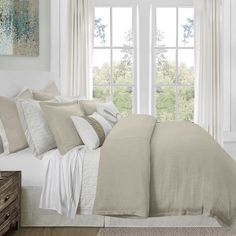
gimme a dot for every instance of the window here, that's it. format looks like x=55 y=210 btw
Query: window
x=113 y=60
x=143 y=56
x=174 y=64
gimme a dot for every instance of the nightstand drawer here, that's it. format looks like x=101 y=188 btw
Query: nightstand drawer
x=8 y=196
x=8 y=215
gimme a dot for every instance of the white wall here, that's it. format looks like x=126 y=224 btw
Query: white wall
x=229 y=76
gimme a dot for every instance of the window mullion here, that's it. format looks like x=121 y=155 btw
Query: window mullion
x=144 y=58
x=154 y=67
x=111 y=54
x=177 y=65
x=135 y=74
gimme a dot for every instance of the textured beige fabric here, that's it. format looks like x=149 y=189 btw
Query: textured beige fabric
x=183 y=172
x=88 y=106
x=167 y=232
x=47 y=93
x=124 y=169
x=36 y=129
x=26 y=94
x=11 y=131
x=41 y=96
x=58 y=117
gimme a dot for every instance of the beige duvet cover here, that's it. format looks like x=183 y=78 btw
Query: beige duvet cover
x=163 y=169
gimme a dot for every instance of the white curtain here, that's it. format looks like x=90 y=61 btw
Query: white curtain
x=207 y=58
x=79 y=48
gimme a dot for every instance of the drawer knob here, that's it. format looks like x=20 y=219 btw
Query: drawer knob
x=7 y=216
x=6 y=198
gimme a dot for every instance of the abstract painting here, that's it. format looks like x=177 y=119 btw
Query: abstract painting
x=19 y=27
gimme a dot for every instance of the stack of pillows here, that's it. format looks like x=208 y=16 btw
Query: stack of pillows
x=44 y=120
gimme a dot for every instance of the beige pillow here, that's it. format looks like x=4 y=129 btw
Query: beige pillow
x=25 y=94
x=11 y=131
x=88 y=106
x=58 y=118
x=47 y=93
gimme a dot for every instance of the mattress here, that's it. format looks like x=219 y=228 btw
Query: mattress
x=32 y=168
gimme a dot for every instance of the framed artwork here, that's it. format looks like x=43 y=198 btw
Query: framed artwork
x=19 y=27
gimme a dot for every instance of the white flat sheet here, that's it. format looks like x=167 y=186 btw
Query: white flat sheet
x=63 y=180
x=70 y=181
x=33 y=174
x=32 y=168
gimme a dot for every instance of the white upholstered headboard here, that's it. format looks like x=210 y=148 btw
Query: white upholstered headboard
x=12 y=82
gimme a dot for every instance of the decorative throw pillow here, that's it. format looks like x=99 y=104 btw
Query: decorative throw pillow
x=47 y=93
x=11 y=131
x=88 y=106
x=37 y=131
x=69 y=98
x=109 y=111
x=25 y=93
x=92 y=129
x=58 y=118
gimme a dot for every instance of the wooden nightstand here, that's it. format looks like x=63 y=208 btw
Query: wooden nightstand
x=10 y=195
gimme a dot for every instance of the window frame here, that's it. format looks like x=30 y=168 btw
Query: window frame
x=144 y=23
x=119 y=4
x=176 y=85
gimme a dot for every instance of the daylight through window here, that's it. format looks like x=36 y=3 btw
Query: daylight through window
x=174 y=70
x=115 y=61
x=113 y=77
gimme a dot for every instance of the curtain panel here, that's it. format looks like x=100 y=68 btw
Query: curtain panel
x=79 y=48
x=208 y=88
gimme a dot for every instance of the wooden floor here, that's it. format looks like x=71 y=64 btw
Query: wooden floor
x=54 y=232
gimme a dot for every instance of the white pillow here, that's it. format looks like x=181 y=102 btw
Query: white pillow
x=109 y=111
x=37 y=131
x=92 y=129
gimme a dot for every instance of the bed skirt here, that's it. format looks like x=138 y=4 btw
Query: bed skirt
x=32 y=216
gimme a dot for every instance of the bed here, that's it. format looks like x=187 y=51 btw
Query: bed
x=33 y=173
x=33 y=216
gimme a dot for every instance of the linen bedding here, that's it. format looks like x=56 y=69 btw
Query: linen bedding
x=150 y=169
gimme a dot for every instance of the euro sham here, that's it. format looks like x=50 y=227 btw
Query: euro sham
x=69 y=98
x=92 y=129
x=37 y=131
x=88 y=106
x=58 y=118
x=48 y=93
x=11 y=131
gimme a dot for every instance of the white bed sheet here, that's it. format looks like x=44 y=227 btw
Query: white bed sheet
x=33 y=174
x=50 y=200
x=31 y=167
